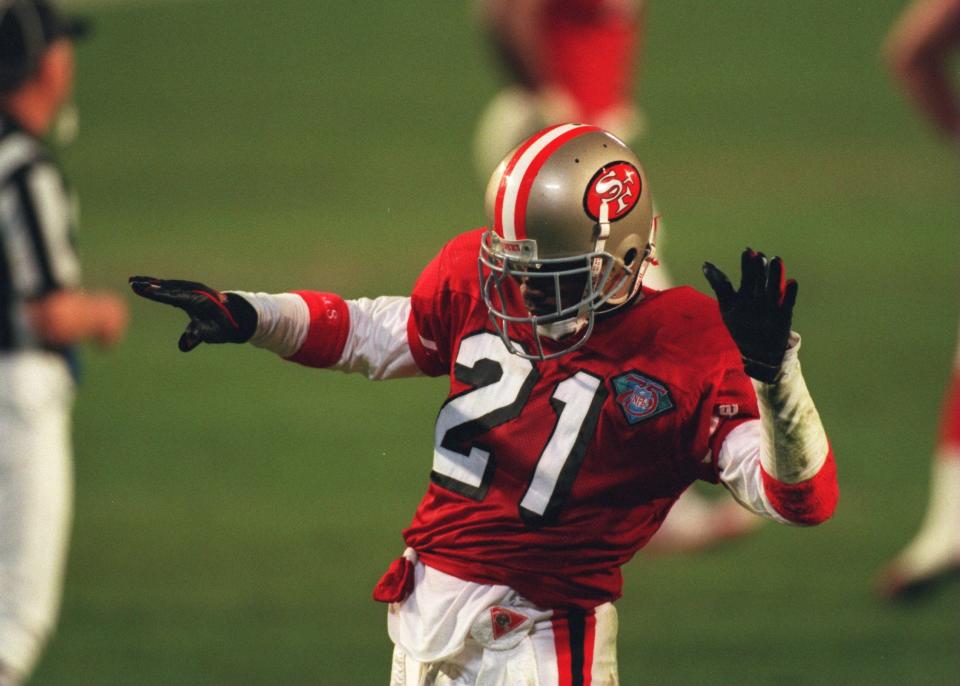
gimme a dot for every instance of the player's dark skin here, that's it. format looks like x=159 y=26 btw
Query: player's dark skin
x=539 y=294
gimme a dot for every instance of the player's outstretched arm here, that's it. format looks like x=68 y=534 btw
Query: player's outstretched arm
x=307 y=327
x=215 y=317
x=797 y=470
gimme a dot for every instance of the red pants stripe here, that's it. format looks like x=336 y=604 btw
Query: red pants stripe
x=574 y=632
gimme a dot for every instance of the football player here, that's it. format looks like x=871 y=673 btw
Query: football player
x=581 y=405
x=576 y=60
x=919 y=48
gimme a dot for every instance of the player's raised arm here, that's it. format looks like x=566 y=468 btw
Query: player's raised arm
x=311 y=328
x=797 y=474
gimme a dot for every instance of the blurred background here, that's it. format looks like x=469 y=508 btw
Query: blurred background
x=234 y=512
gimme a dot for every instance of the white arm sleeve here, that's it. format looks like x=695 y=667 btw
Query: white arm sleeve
x=739 y=464
x=283 y=320
x=376 y=345
x=788 y=440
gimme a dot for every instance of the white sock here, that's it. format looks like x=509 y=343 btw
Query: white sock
x=937 y=543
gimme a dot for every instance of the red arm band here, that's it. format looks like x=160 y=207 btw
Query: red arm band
x=329 y=327
x=808 y=502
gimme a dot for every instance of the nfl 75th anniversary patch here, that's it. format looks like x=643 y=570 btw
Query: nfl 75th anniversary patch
x=641 y=397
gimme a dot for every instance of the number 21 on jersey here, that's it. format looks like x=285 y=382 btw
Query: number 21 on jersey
x=500 y=388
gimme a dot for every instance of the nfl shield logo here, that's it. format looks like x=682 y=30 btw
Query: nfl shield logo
x=640 y=397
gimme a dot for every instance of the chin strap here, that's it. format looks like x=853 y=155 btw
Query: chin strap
x=649 y=252
x=601 y=242
x=566 y=327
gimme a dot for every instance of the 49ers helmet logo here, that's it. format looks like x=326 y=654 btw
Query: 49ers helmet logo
x=617 y=184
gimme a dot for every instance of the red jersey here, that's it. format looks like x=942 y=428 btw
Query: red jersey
x=549 y=475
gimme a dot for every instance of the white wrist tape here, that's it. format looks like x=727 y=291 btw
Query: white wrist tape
x=794 y=441
x=283 y=320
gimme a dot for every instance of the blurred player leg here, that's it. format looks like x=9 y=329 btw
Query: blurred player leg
x=511 y=116
x=934 y=553
x=698 y=523
x=35 y=504
x=591 y=48
x=582 y=70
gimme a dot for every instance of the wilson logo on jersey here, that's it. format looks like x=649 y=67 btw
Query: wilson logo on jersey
x=641 y=397
x=618 y=185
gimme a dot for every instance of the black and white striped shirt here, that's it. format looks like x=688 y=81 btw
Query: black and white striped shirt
x=37 y=253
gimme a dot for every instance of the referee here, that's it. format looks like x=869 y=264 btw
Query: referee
x=43 y=313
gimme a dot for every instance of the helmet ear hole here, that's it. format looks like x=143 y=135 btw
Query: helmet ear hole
x=630 y=256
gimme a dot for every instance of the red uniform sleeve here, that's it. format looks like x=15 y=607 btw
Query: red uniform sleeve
x=441 y=298
x=426 y=332
x=733 y=403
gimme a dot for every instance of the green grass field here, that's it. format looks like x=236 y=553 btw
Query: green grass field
x=233 y=512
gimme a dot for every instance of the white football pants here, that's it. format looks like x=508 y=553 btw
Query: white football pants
x=36 y=494
x=451 y=632
x=576 y=649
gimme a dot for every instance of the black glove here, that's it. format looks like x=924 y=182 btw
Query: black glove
x=758 y=315
x=215 y=317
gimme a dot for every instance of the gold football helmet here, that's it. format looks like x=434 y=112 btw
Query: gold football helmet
x=571 y=233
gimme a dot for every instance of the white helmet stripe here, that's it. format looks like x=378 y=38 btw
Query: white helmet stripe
x=510 y=191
